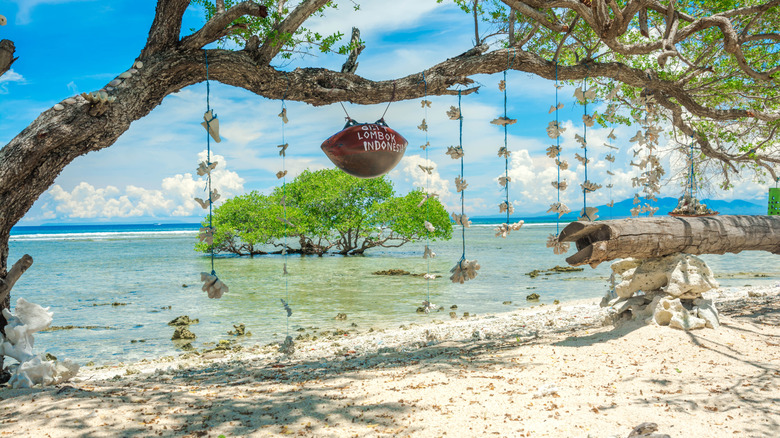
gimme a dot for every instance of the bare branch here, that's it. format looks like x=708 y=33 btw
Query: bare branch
x=218 y=26
x=7 y=50
x=541 y=18
x=16 y=271
x=350 y=66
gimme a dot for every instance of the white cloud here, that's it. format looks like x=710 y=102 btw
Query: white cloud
x=174 y=198
x=410 y=172
x=24 y=16
x=10 y=77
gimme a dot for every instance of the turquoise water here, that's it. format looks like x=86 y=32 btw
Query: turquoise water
x=80 y=271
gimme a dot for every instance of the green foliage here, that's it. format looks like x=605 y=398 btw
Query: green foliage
x=302 y=41
x=326 y=209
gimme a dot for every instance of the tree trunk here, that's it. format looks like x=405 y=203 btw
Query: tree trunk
x=664 y=235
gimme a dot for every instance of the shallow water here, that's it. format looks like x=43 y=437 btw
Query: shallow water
x=80 y=273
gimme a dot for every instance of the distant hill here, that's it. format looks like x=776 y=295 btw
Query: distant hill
x=623 y=208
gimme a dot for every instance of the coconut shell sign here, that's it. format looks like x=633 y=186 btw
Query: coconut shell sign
x=365 y=150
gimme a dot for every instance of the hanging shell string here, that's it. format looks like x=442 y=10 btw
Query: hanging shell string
x=463 y=270
x=287 y=346
x=212 y=285
x=585 y=214
x=505 y=121
x=427 y=254
x=554 y=131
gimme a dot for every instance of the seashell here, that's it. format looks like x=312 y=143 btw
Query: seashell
x=3 y=20
x=125 y=75
x=588 y=214
x=111 y=99
x=103 y=95
x=502 y=121
x=58 y=107
x=429 y=226
x=461 y=219
x=115 y=82
x=70 y=100
x=139 y=65
x=455 y=152
x=132 y=71
x=464 y=270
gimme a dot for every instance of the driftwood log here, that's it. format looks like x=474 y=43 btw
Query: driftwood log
x=650 y=237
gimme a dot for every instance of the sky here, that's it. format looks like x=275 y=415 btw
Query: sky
x=66 y=47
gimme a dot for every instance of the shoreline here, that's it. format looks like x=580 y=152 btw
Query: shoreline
x=542 y=371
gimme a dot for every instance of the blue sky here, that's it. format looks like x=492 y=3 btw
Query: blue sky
x=67 y=47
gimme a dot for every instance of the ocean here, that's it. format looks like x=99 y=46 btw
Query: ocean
x=120 y=285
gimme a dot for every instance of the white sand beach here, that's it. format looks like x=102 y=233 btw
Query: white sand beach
x=556 y=371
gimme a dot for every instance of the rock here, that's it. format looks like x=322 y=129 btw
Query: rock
x=646 y=430
x=392 y=272
x=672 y=313
x=556 y=302
x=182 y=332
x=706 y=310
x=183 y=320
x=679 y=275
x=506 y=303
x=454 y=306
x=453 y=315
x=533 y=297
x=341 y=316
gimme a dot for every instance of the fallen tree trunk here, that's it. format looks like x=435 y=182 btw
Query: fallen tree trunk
x=650 y=237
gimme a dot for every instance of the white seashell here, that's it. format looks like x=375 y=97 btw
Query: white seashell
x=70 y=101
x=125 y=75
x=3 y=20
x=111 y=98
x=115 y=82
x=132 y=71
x=103 y=96
x=58 y=107
x=139 y=65
x=109 y=88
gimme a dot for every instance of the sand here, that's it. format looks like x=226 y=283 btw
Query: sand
x=557 y=371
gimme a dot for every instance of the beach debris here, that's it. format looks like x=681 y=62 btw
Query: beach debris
x=504 y=152
x=29 y=318
x=554 y=108
x=501 y=121
x=288 y=346
x=557 y=246
x=424 y=103
x=455 y=152
x=211 y=124
x=553 y=151
x=205 y=168
x=430 y=276
x=503 y=180
x=646 y=430
x=504 y=229
x=283 y=115
x=206 y=234
x=429 y=226
x=563 y=185
x=422 y=126
x=212 y=285
x=461 y=219
x=428 y=307
x=428 y=253
x=547 y=390
x=283 y=149
x=183 y=320
x=506 y=206
x=554 y=130
x=464 y=270
x=560 y=208
x=460 y=184
x=426 y=169
x=341 y=317
x=532 y=297
x=453 y=113
x=588 y=214
x=690 y=206
x=588 y=186
x=583 y=96
x=182 y=333
x=286 y=307
x=501 y=85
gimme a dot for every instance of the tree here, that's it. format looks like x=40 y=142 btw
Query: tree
x=710 y=67
x=326 y=209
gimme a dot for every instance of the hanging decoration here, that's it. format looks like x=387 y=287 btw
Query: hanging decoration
x=367 y=150
x=503 y=152
x=212 y=285
x=611 y=160
x=463 y=270
x=648 y=163
x=688 y=204
x=427 y=306
x=773 y=209
x=287 y=346
x=554 y=131
x=583 y=95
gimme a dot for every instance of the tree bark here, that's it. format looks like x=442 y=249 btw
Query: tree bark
x=664 y=235
x=7 y=50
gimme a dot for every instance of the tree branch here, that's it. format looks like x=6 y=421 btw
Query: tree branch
x=16 y=271
x=218 y=26
x=273 y=43
x=351 y=64
x=7 y=50
x=166 y=26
